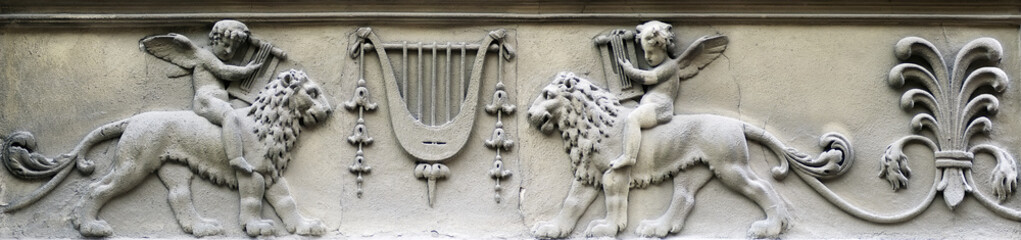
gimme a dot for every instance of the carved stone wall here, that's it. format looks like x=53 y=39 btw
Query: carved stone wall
x=799 y=71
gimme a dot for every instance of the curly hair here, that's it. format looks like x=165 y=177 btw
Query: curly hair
x=229 y=29
x=277 y=123
x=591 y=112
x=662 y=30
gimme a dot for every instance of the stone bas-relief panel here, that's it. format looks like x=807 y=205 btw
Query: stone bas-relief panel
x=849 y=97
x=797 y=83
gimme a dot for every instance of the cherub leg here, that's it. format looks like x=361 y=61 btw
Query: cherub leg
x=740 y=178
x=252 y=188
x=686 y=184
x=220 y=112
x=232 y=143
x=578 y=199
x=177 y=178
x=616 y=186
x=279 y=196
x=642 y=117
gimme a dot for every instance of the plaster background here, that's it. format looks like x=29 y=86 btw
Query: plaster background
x=797 y=81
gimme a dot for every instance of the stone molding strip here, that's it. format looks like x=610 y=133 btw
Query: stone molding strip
x=13 y=20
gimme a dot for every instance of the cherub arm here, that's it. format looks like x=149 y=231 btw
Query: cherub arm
x=229 y=72
x=652 y=76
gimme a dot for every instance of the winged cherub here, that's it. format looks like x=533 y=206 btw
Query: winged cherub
x=209 y=73
x=668 y=69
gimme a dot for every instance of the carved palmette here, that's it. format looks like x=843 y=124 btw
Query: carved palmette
x=620 y=44
x=432 y=89
x=260 y=52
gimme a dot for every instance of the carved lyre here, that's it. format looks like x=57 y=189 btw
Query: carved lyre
x=433 y=95
x=614 y=45
x=262 y=52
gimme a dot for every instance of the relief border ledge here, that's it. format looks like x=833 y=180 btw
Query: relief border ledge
x=14 y=20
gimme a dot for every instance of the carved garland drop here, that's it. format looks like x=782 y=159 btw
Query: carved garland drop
x=500 y=139
x=362 y=103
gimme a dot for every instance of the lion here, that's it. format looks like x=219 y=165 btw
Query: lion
x=589 y=119
x=179 y=144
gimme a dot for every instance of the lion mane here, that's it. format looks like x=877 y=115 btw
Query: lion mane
x=585 y=121
x=277 y=123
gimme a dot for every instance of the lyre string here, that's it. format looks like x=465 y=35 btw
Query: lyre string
x=260 y=58
x=619 y=53
x=420 y=90
x=432 y=89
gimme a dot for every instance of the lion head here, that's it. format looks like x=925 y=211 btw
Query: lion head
x=583 y=113
x=286 y=104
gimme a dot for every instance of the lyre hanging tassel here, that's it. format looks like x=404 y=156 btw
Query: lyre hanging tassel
x=500 y=140
x=361 y=102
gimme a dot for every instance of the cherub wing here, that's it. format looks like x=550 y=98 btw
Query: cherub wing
x=173 y=48
x=701 y=52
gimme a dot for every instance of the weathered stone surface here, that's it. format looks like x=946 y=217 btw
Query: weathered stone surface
x=798 y=76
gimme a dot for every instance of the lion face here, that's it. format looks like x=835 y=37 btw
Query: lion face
x=547 y=110
x=308 y=99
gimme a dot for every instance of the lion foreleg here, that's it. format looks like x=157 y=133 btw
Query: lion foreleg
x=686 y=184
x=616 y=186
x=177 y=178
x=252 y=188
x=279 y=196
x=578 y=199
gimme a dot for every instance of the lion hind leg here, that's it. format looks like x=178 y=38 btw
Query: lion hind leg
x=686 y=184
x=177 y=178
x=740 y=178
x=125 y=175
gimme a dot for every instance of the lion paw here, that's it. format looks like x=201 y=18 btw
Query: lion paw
x=550 y=230
x=258 y=227
x=657 y=228
x=602 y=228
x=766 y=229
x=309 y=227
x=205 y=227
x=97 y=228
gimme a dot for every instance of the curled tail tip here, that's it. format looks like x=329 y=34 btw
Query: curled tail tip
x=84 y=165
x=779 y=172
x=835 y=159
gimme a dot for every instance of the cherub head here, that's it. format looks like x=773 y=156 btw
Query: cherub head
x=657 y=39
x=226 y=37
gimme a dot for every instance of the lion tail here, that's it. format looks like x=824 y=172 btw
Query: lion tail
x=22 y=161
x=101 y=134
x=836 y=158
